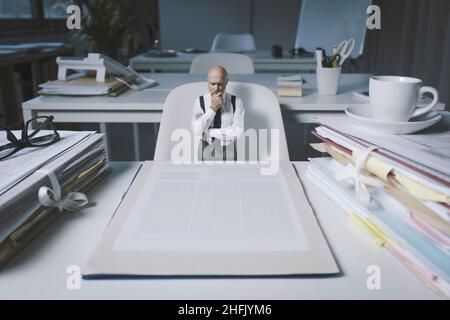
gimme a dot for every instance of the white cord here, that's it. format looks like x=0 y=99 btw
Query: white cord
x=51 y=197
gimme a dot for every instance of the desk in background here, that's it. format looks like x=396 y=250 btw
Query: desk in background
x=262 y=60
x=41 y=67
x=40 y=270
x=147 y=106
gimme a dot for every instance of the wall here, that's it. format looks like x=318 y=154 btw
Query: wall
x=274 y=22
x=194 y=23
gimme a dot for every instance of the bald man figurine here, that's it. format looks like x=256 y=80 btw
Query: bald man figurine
x=220 y=111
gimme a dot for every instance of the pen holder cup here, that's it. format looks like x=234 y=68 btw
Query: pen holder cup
x=328 y=80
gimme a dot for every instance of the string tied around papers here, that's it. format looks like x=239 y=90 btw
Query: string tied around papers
x=360 y=179
x=51 y=197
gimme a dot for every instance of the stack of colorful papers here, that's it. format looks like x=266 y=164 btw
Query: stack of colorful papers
x=397 y=188
x=290 y=85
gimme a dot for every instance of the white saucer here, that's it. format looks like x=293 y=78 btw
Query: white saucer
x=362 y=117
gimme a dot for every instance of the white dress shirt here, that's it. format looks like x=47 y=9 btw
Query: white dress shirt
x=231 y=123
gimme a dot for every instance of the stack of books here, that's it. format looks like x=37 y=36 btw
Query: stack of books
x=78 y=161
x=397 y=188
x=80 y=84
x=290 y=85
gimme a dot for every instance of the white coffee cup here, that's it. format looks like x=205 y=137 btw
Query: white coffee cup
x=394 y=98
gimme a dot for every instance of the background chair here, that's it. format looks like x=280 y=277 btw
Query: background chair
x=233 y=62
x=262 y=111
x=224 y=42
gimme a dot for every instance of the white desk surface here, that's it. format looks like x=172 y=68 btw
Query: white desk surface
x=40 y=270
x=153 y=99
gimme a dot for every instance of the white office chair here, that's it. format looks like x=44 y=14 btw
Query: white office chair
x=233 y=62
x=262 y=111
x=224 y=42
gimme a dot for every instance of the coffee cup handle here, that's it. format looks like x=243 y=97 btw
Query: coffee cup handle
x=433 y=91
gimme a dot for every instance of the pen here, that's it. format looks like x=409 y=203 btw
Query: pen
x=319 y=56
x=335 y=51
x=335 y=60
x=324 y=59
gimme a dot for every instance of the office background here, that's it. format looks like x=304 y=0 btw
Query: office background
x=414 y=41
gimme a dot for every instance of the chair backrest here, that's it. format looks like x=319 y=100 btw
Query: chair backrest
x=262 y=111
x=224 y=42
x=233 y=62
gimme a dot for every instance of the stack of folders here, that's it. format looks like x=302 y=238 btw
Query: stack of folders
x=81 y=85
x=407 y=181
x=78 y=161
x=290 y=85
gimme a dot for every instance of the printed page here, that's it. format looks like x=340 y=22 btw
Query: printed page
x=212 y=208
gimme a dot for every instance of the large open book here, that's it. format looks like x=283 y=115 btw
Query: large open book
x=206 y=220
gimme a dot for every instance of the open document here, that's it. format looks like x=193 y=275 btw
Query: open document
x=213 y=220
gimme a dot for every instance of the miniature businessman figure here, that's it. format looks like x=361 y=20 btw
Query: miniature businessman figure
x=219 y=118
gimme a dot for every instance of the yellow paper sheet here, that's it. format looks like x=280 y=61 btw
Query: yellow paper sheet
x=374 y=165
x=419 y=191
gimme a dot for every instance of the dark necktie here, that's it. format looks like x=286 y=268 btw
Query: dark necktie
x=218 y=119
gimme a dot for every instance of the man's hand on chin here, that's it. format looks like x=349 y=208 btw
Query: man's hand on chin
x=216 y=101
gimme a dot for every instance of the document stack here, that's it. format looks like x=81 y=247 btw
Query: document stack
x=39 y=185
x=81 y=85
x=290 y=85
x=94 y=75
x=397 y=188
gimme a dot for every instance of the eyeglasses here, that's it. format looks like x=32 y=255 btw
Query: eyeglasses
x=30 y=137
